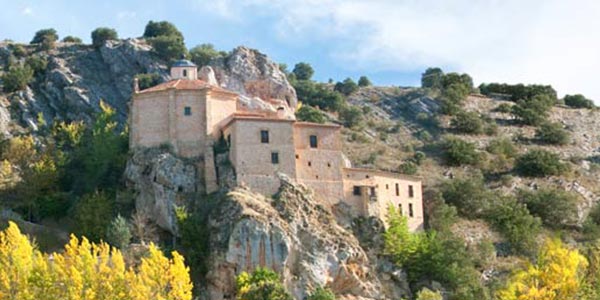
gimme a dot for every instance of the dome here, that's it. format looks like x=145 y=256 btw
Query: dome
x=183 y=63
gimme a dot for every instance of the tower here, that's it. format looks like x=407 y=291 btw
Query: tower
x=184 y=69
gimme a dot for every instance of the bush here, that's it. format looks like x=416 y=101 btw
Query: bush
x=168 y=47
x=432 y=78
x=364 y=81
x=557 y=208
x=352 y=116
x=452 y=97
x=540 y=163
x=578 y=101
x=309 y=114
x=321 y=294
x=119 y=233
x=518 y=92
x=72 y=39
x=46 y=38
x=408 y=168
x=347 y=87
x=303 y=71
x=318 y=95
x=162 y=28
x=93 y=215
x=18 y=50
x=201 y=55
x=148 y=80
x=458 y=152
x=37 y=63
x=102 y=34
x=467 y=122
x=533 y=111
x=552 y=133
x=419 y=157
x=469 y=195
x=262 y=284
x=503 y=108
x=502 y=146
x=16 y=79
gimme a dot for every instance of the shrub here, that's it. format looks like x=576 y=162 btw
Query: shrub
x=502 y=146
x=119 y=233
x=432 y=78
x=408 y=168
x=469 y=195
x=93 y=215
x=148 y=80
x=533 y=111
x=46 y=38
x=458 y=152
x=168 y=47
x=427 y=294
x=260 y=285
x=102 y=34
x=552 y=133
x=18 y=50
x=72 y=39
x=202 y=54
x=162 y=28
x=364 y=81
x=540 y=163
x=452 y=98
x=321 y=293
x=419 y=157
x=318 y=95
x=309 y=114
x=303 y=71
x=352 y=116
x=503 y=108
x=518 y=92
x=557 y=208
x=578 y=101
x=467 y=122
x=16 y=79
x=37 y=63
x=346 y=87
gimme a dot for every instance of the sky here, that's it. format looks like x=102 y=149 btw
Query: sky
x=390 y=41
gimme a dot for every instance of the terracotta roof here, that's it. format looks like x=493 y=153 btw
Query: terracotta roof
x=316 y=124
x=185 y=84
x=386 y=173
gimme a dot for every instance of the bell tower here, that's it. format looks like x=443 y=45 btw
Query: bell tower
x=184 y=69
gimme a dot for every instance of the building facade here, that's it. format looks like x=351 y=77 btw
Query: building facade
x=190 y=115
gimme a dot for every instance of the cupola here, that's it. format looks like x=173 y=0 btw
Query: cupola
x=184 y=69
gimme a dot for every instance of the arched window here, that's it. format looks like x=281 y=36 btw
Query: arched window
x=184 y=73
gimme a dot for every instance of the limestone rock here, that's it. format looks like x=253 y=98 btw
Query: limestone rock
x=207 y=74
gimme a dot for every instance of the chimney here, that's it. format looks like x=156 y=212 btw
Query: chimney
x=136 y=85
x=281 y=112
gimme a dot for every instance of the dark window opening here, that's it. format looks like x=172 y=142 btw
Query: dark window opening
x=397 y=189
x=187 y=111
x=366 y=176
x=400 y=209
x=264 y=136
x=313 y=141
x=297 y=156
x=180 y=189
x=410 y=210
x=229 y=139
x=387 y=186
x=411 y=192
x=372 y=191
x=309 y=164
x=184 y=73
x=274 y=158
x=356 y=191
x=317 y=176
x=329 y=165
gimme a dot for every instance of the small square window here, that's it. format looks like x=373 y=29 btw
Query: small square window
x=274 y=158
x=313 y=141
x=356 y=191
x=187 y=111
x=264 y=136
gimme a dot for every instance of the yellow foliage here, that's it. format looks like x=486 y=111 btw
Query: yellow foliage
x=87 y=271
x=557 y=275
x=20 y=151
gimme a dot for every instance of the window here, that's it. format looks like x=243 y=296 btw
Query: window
x=313 y=141
x=400 y=209
x=387 y=186
x=411 y=192
x=184 y=73
x=229 y=139
x=366 y=176
x=187 y=111
x=372 y=191
x=410 y=210
x=397 y=189
x=356 y=191
x=264 y=136
x=329 y=165
x=297 y=156
x=309 y=164
x=274 y=158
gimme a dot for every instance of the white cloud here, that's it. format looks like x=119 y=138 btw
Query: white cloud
x=553 y=41
x=27 y=11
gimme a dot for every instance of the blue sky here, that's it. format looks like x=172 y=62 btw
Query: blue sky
x=391 y=41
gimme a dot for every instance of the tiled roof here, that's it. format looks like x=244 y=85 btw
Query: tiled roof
x=185 y=84
x=183 y=63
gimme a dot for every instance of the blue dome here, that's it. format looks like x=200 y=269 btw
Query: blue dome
x=183 y=63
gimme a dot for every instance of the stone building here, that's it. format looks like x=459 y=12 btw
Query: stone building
x=190 y=115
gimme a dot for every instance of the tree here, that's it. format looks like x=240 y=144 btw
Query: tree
x=93 y=215
x=578 y=101
x=17 y=78
x=352 y=116
x=557 y=275
x=102 y=34
x=46 y=38
x=37 y=63
x=119 y=233
x=321 y=293
x=467 y=122
x=148 y=80
x=557 y=208
x=72 y=39
x=459 y=152
x=202 y=54
x=427 y=294
x=168 y=47
x=303 y=71
x=533 y=111
x=309 y=114
x=162 y=28
x=262 y=284
x=469 y=195
x=432 y=78
x=364 y=81
x=346 y=87
x=552 y=133
x=540 y=163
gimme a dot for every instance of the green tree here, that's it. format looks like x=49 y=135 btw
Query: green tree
x=17 y=78
x=552 y=133
x=318 y=95
x=533 y=111
x=540 y=163
x=408 y=168
x=364 y=81
x=148 y=80
x=469 y=195
x=202 y=54
x=72 y=39
x=93 y=214
x=309 y=114
x=427 y=294
x=458 y=152
x=262 y=284
x=46 y=38
x=303 y=71
x=346 y=87
x=162 y=28
x=578 y=101
x=432 y=78
x=467 y=122
x=37 y=63
x=168 y=47
x=119 y=233
x=321 y=293
x=557 y=208
x=102 y=34
x=352 y=116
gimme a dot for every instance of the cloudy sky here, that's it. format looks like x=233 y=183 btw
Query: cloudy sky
x=391 y=41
